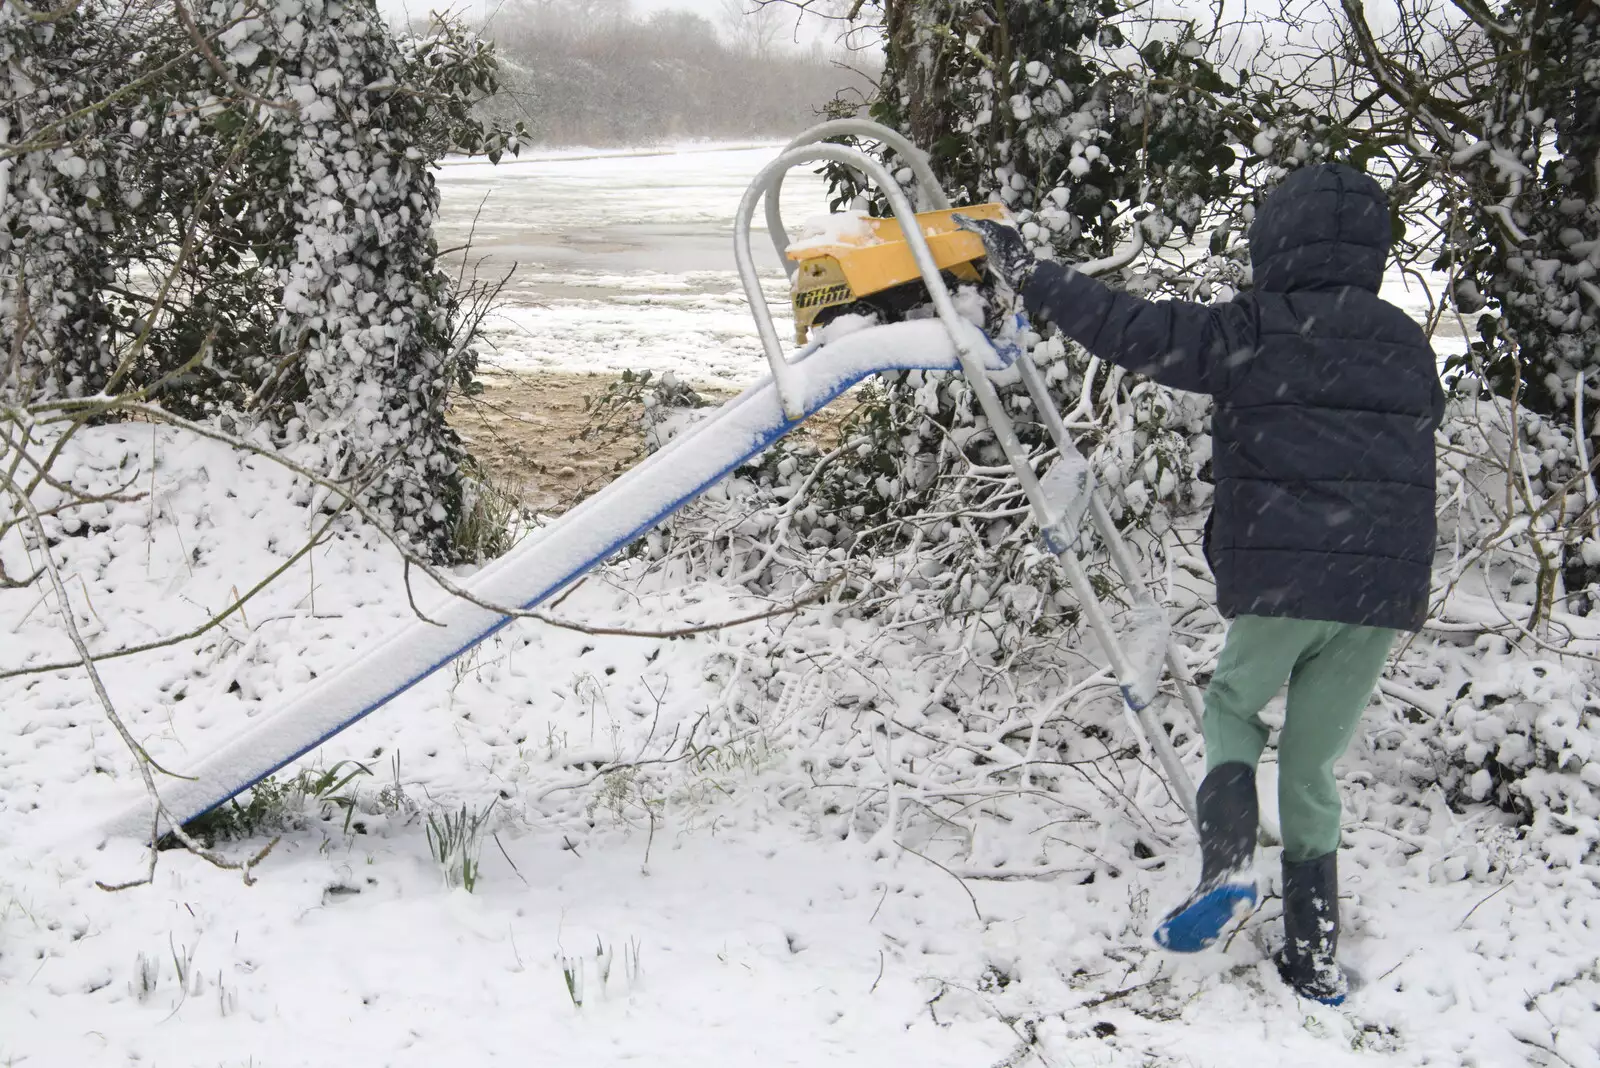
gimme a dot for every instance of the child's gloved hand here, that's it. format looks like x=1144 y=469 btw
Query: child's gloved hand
x=1009 y=261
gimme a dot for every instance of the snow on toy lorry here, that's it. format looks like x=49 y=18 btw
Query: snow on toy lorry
x=873 y=270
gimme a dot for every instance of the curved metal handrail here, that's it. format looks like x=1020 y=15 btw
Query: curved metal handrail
x=932 y=196
x=763 y=185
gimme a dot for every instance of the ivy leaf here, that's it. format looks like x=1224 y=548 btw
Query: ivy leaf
x=1363 y=154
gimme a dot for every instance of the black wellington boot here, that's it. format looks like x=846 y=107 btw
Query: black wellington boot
x=1311 y=930
x=1226 y=804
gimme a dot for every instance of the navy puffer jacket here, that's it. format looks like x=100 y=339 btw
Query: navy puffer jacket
x=1326 y=402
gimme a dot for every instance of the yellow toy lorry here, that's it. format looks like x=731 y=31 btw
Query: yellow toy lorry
x=872 y=272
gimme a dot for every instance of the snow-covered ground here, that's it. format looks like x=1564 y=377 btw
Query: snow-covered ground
x=688 y=836
x=686 y=828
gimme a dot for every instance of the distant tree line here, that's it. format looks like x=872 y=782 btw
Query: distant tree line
x=592 y=72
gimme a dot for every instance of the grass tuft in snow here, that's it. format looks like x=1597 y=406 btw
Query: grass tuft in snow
x=454 y=839
x=572 y=974
x=277 y=805
x=575 y=970
x=146 y=976
x=148 y=971
x=491 y=521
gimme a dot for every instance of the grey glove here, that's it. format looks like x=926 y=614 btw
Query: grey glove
x=1009 y=261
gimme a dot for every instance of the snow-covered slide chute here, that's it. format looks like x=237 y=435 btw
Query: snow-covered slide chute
x=799 y=386
x=547 y=561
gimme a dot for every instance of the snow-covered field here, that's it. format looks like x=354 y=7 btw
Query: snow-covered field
x=687 y=835
x=626 y=262
x=621 y=262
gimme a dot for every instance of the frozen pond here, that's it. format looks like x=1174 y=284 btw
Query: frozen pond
x=625 y=260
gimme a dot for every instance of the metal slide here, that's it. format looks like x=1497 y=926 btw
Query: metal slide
x=800 y=386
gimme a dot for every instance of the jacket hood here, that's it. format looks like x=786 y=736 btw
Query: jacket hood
x=1326 y=226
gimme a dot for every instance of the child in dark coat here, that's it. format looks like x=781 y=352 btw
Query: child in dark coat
x=1321 y=534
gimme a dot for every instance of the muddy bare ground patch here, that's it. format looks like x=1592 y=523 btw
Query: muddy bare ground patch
x=527 y=429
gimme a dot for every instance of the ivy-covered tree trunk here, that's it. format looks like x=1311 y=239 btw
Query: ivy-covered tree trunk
x=54 y=219
x=915 y=47
x=366 y=320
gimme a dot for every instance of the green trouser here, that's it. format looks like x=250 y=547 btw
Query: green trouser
x=1331 y=669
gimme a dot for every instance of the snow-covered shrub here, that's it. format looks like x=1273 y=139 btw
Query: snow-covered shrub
x=1517 y=511
x=1521 y=732
x=641 y=408
x=1524 y=735
x=1504 y=147
x=228 y=210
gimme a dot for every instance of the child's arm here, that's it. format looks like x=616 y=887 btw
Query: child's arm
x=1179 y=344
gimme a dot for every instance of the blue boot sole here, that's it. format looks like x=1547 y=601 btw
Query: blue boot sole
x=1199 y=924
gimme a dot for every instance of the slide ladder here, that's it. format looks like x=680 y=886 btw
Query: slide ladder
x=553 y=557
